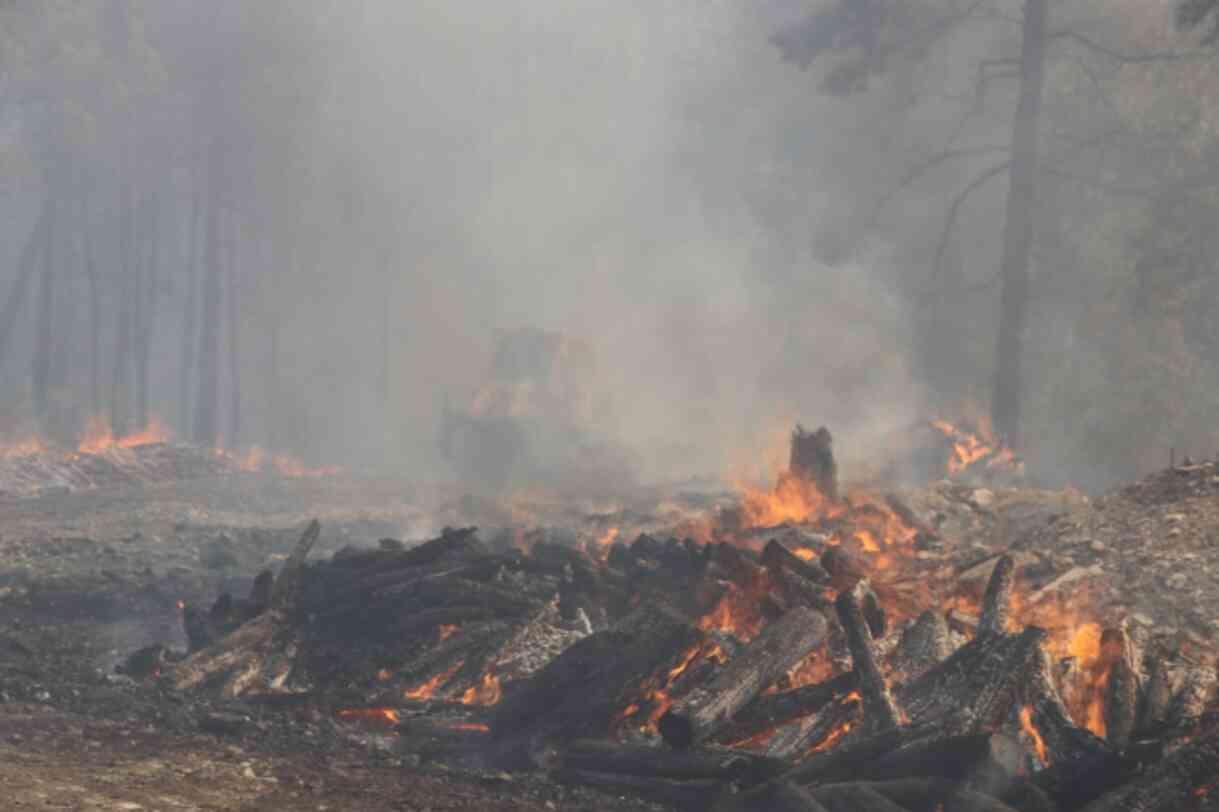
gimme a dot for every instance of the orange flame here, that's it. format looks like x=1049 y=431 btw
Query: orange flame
x=486 y=692
x=477 y=727
x=388 y=715
x=835 y=736
x=23 y=448
x=256 y=459
x=98 y=436
x=1026 y=724
x=447 y=630
x=428 y=689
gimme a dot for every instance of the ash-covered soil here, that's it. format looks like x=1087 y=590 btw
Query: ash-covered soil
x=88 y=577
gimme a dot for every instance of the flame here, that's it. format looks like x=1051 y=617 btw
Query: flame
x=805 y=554
x=476 y=727
x=970 y=447
x=99 y=437
x=655 y=693
x=26 y=447
x=428 y=689
x=384 y=675
x=256 y=460
x=388 y=715
x=833 y=738
x=737 y=613
x=1026 y=724
x=486 y=692
x=447 y=630
x=793 y=499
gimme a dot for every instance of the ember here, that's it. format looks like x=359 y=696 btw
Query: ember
x=486 y=692
x=428 y=689
x=387 y=715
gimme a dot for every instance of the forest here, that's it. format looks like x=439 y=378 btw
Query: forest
x=296 y=225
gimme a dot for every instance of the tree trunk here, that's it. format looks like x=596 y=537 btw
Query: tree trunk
x=119 y=395
x=205 y=432
x=25 y=270
x=1018 y=228
x=188 y=317
x=146 y=298
x=41 y=369
x=95 y=317
x=234 y=334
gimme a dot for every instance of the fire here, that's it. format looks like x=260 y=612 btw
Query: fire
x=256 y=460
x=971 y=447
x=428 y=689
x=833 y=738
x=447 y=630
x=99 y=437
x=736 y=613
x=387 y=715
x=793 y=499
x=23 y=448
x=656 y=693
x=805 y=554
x=817 y=667
x=486 y=692
x=1026 y=724
x=476 y=727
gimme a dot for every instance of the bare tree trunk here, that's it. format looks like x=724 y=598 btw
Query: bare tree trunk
x=1018 y=227
x=234 y=331
x=209 y=337
x=146 y=296
x=120 y=397
x=41 y=369
x=189 y=327
x=95 y=338
x=25 y=270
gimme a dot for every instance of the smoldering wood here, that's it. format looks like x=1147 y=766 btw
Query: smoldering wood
x=812 y=458
x=284 y=592
x=777 y=556
x=823 y=729
x=772 y=710
x=778 y=648
x=845 y=570
x=841 y=763
x=1121 y=703
x=942 y=795
x=879 y=708
x=578 y=694
x=742 y=767
x=996 y=604
x=693 y=794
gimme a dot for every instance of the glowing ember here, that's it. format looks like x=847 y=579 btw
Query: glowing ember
x=486 y=692
x=386 y=715
x=476 y=727
x=1026 y=724
x=835 y=736
x=447 y=630
x=99 y=437
x=384 y=675
x=656 y=696
x=428 y=689
x=805 y=554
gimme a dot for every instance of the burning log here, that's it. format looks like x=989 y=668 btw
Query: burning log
x=880 y=711
x=777 y=557
x=819 y=732
x=776 y=650
x=581 y=692
x=740 y=767
x=1122 y=690
x=441 y=740
x=812 y=458
x=772 y=710
x=996 y=605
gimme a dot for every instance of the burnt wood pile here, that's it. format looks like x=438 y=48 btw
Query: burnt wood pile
x=621 y=669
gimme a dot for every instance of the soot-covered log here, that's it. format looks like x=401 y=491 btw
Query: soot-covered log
x=439 y=740
x=777 y=796
x=820 y=731
x=847 y=760
x=779 y=647
x=772 y=710
x=694 y=794
x=741 y=767
x=980 y=758
x=943 y=795
x=996 y=604
x=983 y=679
x=1122 y=689
x=812 y=458
x=1179 y=782
x=776 y=555
x=923 y=645
x=578 y=694
x=880 y=711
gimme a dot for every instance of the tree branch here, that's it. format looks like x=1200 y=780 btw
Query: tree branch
x=954 y=211
x=1124 y=58
x=925 y=166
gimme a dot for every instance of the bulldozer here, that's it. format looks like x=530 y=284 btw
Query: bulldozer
x=537 y=418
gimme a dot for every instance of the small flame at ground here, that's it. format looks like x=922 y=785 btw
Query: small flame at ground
x=447 y=630
x=388 y=715
x=428 y=689
x=99 y=437
x=486 y=692
x=1026 y=724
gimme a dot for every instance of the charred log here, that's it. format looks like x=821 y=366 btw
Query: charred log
x=853 y=798
x=743 y=768
x=996 y=605
x=812 y=458
x=1176 y=783
x=880 y=711
x=695 y=794
x=777 y=796
x=776 y=650
x=772 y=710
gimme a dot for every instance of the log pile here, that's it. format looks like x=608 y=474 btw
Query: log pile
x=719 y=677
